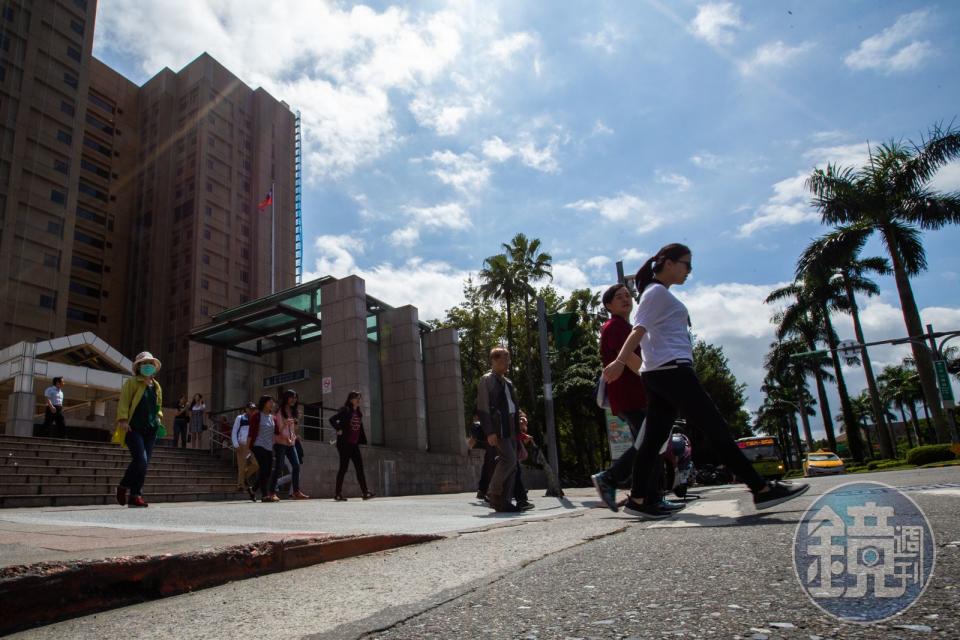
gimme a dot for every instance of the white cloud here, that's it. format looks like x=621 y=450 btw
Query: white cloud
x=349 y=70
x=682 y=183
x=605 y=39
x=894 y=49
x=599 y=128
x=451 y=216
x=790 y=202
x=598 y=262
x=432 y=287
x=948 y=178
x=465 y=172
x=773 y=54
x=623 y=207
x=525 y=149
x=716 y=23
x=707 y=160
x=633 y=255
x=568 y=275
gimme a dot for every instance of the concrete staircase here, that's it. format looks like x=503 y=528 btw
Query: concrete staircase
x=47 y=472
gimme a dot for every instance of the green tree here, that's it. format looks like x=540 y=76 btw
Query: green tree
x=498 y=281
x=713 y=370
x=788 y=375
x=891 y=196
x=898 y=385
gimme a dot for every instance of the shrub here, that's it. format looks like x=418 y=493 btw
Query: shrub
x=930 y=453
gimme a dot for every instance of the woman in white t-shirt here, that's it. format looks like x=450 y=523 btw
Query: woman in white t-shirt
x=661 y=327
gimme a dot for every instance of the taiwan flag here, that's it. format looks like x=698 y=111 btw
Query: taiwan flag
x=266 y=202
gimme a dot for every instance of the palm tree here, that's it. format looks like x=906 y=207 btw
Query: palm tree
x=891 y=195
x=816 y=294
x=788 y=376
x=529 y=266
x=498 y=281
x=832 y=253
x=898 y=386
x=586 y=304
x=802 y=326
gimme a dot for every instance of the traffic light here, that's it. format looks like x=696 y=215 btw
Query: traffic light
x=562 y=326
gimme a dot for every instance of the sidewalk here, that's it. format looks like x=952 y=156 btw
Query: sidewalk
x=96 y=532
x=91 y=559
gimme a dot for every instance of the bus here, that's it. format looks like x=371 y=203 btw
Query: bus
x=764 y=453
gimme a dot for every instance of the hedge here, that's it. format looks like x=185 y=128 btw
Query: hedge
x=930 y=453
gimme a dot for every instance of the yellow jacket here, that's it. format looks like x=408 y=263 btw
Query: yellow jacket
x=130 y=395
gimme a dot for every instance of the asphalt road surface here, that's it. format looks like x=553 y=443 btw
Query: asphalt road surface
x=717 y=570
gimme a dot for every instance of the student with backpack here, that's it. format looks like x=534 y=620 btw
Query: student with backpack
x=247 y=465
x=661 y=328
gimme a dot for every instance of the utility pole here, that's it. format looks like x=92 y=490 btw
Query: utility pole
x=548 y=398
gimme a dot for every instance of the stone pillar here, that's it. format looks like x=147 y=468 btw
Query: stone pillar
x=445 y=426
x=20 y=360
x=343 y=356
x=401 y=371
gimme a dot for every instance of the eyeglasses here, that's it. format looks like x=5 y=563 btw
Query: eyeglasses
x=686 y=262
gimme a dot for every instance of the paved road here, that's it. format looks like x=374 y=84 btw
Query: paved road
x=717 y=570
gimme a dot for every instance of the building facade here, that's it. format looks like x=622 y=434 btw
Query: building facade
x=131 y=211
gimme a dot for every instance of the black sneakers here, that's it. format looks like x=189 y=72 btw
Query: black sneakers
x=777 y=493
x=525 y=506
x=646 y=512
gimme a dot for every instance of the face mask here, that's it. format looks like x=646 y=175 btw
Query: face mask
x=147 y=370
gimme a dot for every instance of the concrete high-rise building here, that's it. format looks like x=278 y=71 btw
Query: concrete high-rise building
x=132 y=211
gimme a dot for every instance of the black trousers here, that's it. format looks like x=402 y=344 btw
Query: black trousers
x=350 y=452
x=265 y=462
x=668 y=391
x=55 y=417
x=489 y=464
x=180 y=432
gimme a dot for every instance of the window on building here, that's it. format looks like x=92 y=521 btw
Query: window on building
x=89 y=265
x=77 y=26
x=82 y=316
x=73 y=52
x=204 y=284
x=64 y=137
x=86 y=239
x=51 y=260
x=82 y=4
x=86 y=165
x=3 y=73
x=4 y=42
x=8 y=13
x=70 y=79
x=54 y=228
x=86 y=214
x=204 y=310
x=96 y=146
x=106 y=105
x=244 y=253
x=58 y=196
x=61 y=166
x=210 y=187
x=206 y=234
x=48 y=301
x=88 y=189
x=67 y=108
x=244 y=276
x=209 y=211
x=206 y=258
x=85 y=290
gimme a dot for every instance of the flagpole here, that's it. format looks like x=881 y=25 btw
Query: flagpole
x=273 y=244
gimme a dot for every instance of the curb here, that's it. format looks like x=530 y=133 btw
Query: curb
x=47 y=592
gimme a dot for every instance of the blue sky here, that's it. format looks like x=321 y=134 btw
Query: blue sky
x=435 y=131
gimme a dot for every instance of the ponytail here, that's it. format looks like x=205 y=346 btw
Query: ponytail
x=646 y=273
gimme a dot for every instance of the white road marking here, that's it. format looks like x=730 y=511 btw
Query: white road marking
x=702 y=509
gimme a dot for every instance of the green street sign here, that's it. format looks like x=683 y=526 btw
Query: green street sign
x=943 y=381
x=563 y=325
x=810 y=354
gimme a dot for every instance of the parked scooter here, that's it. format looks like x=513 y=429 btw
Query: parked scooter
x=677 y=455
x=710 y=474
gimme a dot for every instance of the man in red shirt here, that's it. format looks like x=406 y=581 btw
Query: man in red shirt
x=627 y=397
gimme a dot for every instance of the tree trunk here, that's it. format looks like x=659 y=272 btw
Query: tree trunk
x=866 y=435
x=916 y=423
x=805 y=419
x=510 y=330
x=849 y=419
x=921 y=353
x=796 y=439
x=906 y=426
x=886 y=446
x=825 y=416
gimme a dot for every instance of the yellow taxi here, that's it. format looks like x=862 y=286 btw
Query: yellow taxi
x=822 y=463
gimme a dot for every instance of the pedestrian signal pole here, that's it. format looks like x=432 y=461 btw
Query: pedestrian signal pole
x=548 y=398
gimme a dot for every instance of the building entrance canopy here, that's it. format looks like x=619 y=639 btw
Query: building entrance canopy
x=283 y=320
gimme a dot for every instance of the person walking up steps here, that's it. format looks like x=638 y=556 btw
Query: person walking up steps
x=661 y=329
x=350 y=435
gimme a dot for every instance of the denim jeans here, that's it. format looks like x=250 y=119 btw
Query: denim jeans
x=281 y=451
x=141 y=448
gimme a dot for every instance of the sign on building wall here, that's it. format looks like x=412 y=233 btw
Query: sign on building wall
x=327 y=385
x=287 y=377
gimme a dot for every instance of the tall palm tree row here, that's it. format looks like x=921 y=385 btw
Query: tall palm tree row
x=816 y=294
x=891 y=196
x=838 y=255
x=899 y=386
x=786 y=382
